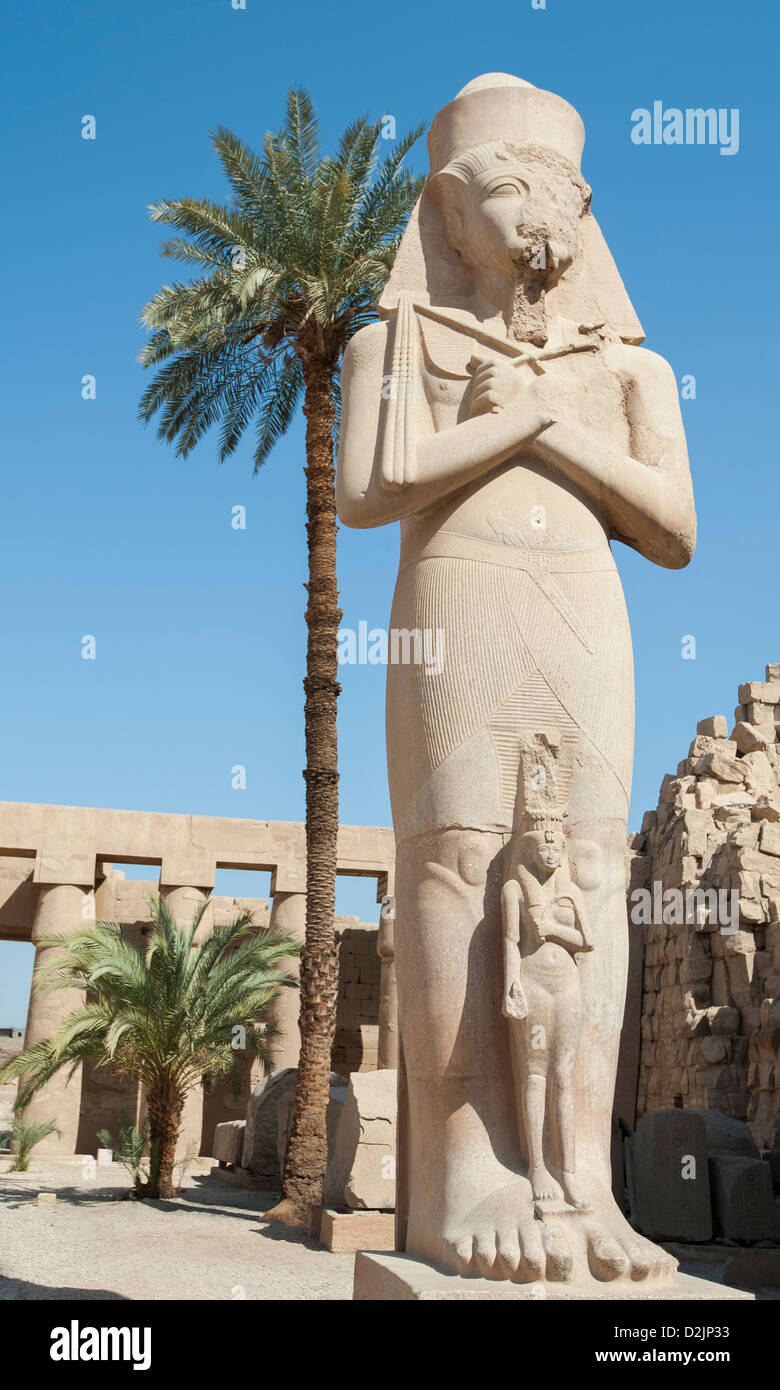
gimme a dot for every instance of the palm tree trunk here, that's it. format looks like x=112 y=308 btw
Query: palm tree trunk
x=307 y=1152
x=165 y=1105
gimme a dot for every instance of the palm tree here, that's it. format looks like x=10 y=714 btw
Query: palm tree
x=164 y=1012
x=292 y=268
x=25 y=1134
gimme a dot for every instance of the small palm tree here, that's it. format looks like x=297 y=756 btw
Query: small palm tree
x=292 y=267
x=166 y=1013
x=130 y=1149
x=25 y=1134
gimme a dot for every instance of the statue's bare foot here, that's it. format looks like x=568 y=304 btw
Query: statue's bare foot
x=543 y=1185
x=572 y=1193
x=615 y=1250
x=499 y=1238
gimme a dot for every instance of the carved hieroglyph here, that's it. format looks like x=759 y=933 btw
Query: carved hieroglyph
x=507 y=414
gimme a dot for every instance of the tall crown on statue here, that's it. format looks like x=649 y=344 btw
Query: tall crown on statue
x=499 y=107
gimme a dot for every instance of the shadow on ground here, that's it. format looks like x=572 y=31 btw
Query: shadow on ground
x=18 y=1290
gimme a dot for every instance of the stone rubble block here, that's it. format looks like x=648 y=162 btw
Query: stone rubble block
x=229 y=1142
x=743 y=1201
x=668 y=1178
x=714 y=727
x=361 y=1174
x=750 y=738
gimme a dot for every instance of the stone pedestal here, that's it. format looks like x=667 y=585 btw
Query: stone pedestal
x=60 y=911
x=401 y=1278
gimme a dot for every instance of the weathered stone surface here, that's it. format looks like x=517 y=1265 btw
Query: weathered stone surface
x=229 y=1142
x=362 y=1170
x=668 y=1181
x=743 y=1201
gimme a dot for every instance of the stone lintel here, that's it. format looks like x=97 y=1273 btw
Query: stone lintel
x=54 y=867
x=147 y=837
x=289 y=877
x=401 y=1278
x=187 y=872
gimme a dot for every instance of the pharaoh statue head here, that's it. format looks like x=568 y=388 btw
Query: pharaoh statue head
x=513 y=205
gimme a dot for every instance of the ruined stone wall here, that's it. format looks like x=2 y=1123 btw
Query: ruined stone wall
x=710 y=1026
x=355 y=1045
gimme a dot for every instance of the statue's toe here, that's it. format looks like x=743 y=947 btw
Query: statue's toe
x=606 y=1258
x=485 y=1252
x=533 y=1263
x=560 y=1261
x=508 y=1252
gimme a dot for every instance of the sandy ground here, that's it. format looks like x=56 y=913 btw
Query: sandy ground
x=212 y=1243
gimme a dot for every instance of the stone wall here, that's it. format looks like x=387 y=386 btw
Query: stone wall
x=710 y=1024
x=355 y=1045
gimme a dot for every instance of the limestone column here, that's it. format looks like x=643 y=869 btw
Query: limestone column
x=388 y=998
x=288 y=915
x=62 y=909
x=177 y=887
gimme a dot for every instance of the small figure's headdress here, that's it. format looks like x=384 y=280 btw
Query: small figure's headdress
x=538 y=806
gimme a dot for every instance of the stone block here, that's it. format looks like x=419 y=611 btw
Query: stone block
x=714 y=727
x=229 y=1142
x=725 y=1135
x=668 y=1180
x=751 y=738
x=766 y=693
x=362 y=1171
x=769 y=838
x=350 y=1231
x=720 y=766
x=742 y=1197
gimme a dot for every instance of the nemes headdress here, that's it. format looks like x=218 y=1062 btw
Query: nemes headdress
x=492 y=110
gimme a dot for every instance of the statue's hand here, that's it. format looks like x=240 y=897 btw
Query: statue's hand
x=514 y=1005
x=497 y=386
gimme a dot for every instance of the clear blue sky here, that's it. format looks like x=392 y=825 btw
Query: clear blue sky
x=199 y=627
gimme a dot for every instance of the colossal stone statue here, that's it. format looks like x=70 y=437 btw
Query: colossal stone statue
x=506 y=413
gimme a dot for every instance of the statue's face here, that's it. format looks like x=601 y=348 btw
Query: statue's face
x=518 y=217
x=545 y=849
